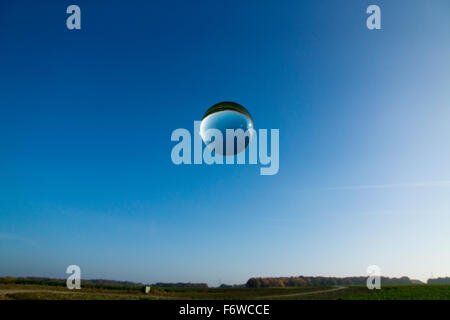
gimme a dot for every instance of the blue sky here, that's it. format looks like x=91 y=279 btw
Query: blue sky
x=86 y=118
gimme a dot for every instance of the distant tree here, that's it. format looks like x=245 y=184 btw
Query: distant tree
x=302 y=281
x=445 y=280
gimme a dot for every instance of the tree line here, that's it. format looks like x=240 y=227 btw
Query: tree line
x=303 y=281
x=445 y=280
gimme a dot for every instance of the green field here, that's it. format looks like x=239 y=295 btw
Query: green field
x=98 y=292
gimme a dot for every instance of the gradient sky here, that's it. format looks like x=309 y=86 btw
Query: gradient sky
x=86 y=118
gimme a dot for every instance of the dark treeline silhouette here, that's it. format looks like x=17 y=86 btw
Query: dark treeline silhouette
x=302 y=281
x=439 y=281
x=62 y=282
x=180 y=285
x=99 y=283
x=229 y=286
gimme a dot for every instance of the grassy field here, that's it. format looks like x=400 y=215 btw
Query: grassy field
x=407 y=292
x=391 y=292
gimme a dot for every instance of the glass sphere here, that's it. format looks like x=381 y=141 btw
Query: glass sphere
x=228 y=115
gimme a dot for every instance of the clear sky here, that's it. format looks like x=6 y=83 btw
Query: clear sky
x=86 y=117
